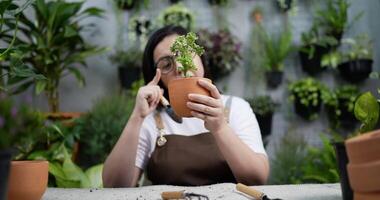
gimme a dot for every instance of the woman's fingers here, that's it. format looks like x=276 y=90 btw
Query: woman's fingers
x=203 y=109
x=210 y=87
x=156 y=78
x=203 y=99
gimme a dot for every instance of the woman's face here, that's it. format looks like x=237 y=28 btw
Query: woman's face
x=162 y=56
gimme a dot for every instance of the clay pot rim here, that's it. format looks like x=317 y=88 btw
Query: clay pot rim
x=363 y=137
x=36 y=162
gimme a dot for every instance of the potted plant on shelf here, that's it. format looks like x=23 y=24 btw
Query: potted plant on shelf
x=21 y=129
x=354 y=62
x=218 y=2
x=263 y=107
x=307 y=97
x=276 y=49
x=53 y=46
x=340 y=106
x=132 y=4
x=222 y=52
x=314 y=46
x=177 y=15
x=184 y=49
x=129 y=66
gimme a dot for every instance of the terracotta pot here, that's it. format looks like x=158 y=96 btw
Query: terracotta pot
x=28 y=180
x=179 y=89
x=365 y=177
x=364 y=148
x=367 y=196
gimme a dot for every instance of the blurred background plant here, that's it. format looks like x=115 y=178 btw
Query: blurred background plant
x=222 y=52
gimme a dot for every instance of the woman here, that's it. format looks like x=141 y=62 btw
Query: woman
x=221 y=143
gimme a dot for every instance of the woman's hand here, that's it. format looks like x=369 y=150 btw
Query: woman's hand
x=148 y=97
x=209 y=109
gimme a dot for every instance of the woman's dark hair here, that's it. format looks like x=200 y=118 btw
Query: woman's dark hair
x=149 y=70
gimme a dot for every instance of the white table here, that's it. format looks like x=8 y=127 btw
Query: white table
x=218 y=191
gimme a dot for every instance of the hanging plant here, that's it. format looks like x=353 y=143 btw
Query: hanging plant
x=139 y=27
x=288 y=6
x=132 y=4
x=222 y=52
x=177 y=15
x=218 y=2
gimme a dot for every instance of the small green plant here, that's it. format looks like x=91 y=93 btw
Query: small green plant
x=276 y=49
x=21 y=127
x=314 y=38
x=219 y=2
x=185 y=48
x=307 y=93
x=101 y=127
x=320 y=164
x=289 y=154
x=177 y=15
x=131 y=58
x=360 y=47
x=341 y=101
x=367 y=111
x=262 y=105
x=139 y=28
x=68 y=175
x=288 y=5
x=132 y=4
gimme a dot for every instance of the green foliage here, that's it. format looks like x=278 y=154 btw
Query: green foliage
x=219 y=2
x=276 y=49
x=307 y=91
x=289 y=154
x=353 y=49
x=132 y=4
x=69 y=175
x=367 y=111
x=21 y=127
x=344 y=97
x=13 y=54
x=222 y=51
x=320 y=164
x=177 y=15
x=101 y=127
x=262 y=105
x=132 y=58
x=185 y=48
x=334 y=18
x=314 y=38
x=51 y=44
x=139 y=28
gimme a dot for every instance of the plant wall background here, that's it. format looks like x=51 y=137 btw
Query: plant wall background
x=244 y=81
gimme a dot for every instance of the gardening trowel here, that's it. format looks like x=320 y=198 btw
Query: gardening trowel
x=169 y=110
x=252 y=192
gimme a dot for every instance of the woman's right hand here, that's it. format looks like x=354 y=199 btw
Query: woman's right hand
x=148 y=97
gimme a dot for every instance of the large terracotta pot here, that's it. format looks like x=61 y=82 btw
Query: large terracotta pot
x=28 y=180
x=179 y=89
x=364 y=165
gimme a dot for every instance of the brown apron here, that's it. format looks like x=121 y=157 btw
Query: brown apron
x=189 y=160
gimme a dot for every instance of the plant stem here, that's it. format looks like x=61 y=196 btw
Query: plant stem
x=53 y=97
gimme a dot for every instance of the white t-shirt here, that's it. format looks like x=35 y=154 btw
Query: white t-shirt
x=241 y=119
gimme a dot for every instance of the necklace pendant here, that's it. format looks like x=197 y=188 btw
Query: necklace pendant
x=161 y=141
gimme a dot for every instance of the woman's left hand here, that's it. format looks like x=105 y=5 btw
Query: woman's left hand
x=209 y=109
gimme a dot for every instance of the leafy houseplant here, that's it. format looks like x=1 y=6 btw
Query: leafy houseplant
x=53 y=45
x=184 y=49
x=177 y=15
x=21 y=128
x=263 y=107
x=100 y=128
x=355 y=62
x=132 y=4
x=307 y=97
x=222 y=52
x=363 y=150
x=288 y=5
x=218 y=2
x=314 y=46
x=139 y=27
x=340 y=106
x=12 y=53
x=129 y=65
x=276 y=50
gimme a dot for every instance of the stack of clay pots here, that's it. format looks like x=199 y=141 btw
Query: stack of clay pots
x=364 y=165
